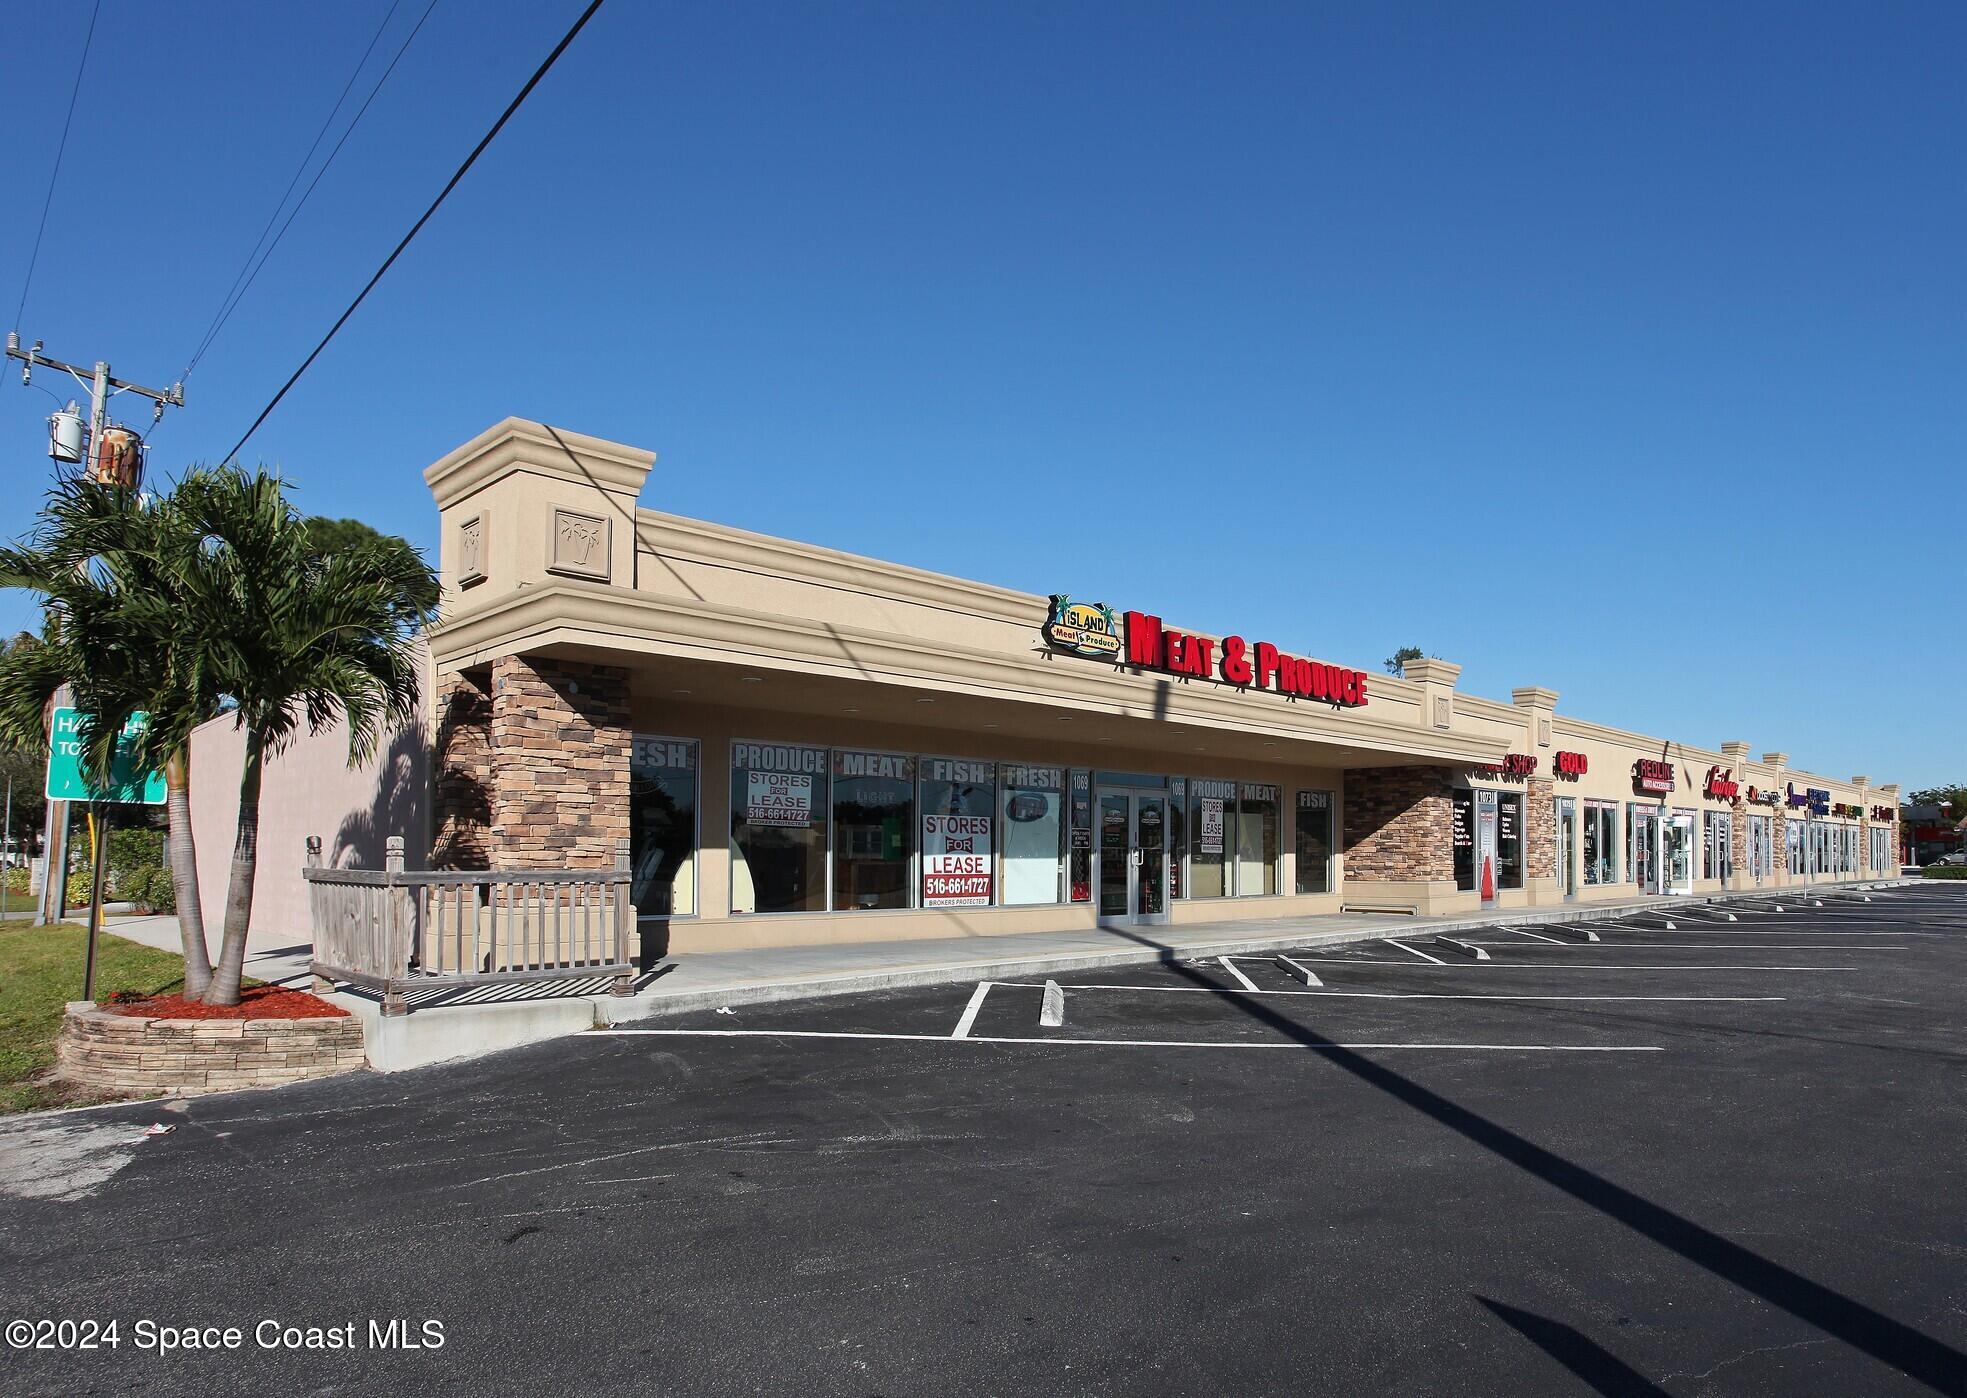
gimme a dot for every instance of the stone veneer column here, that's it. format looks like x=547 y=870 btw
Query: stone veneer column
x=1540 y=828
x=462 y=771
x=1779 y=818
x=1863 y=784
x=560 y=741
x=1538 y=706
x=1398 y=825
x=1736 y=757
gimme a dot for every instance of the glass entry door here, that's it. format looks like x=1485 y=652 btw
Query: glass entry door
x=1567 y=846
x=1677 y=860
x=1133 y=857
x=1645 y=840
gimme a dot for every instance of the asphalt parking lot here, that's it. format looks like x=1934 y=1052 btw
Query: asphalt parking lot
x=1720 y=1156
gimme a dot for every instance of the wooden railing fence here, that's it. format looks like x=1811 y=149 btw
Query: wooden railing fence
x=391 y=930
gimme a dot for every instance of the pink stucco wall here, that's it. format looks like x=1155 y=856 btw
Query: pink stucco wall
x=307 y=790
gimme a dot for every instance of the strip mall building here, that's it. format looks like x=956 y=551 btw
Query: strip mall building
x=802 y=745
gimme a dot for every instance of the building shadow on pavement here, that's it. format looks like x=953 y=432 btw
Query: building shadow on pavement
x=1593 y=1364
x=1893 y=1343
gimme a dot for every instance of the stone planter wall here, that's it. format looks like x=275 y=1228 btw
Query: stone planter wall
x=110 y=1052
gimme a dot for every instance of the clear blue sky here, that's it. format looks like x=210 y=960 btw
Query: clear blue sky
x=1613 y=348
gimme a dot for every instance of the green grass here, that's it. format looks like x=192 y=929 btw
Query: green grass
x=16 y=902
x=40 y=971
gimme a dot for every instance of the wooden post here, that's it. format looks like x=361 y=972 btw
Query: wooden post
x=322 y=985
x=394 y=930
x=624 y=983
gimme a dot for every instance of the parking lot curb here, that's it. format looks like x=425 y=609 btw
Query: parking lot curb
x=611 y=1012
x=451 y=1032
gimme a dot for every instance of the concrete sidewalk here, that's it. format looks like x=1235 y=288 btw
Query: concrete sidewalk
x=278 y=958
x=448 y=1024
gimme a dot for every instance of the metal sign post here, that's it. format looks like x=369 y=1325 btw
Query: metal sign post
x=127 y=784
x=99 y=820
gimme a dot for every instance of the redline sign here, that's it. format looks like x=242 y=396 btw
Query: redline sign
x=1719 y=787
x=1651 y=774
x=1571 y=764
x=1263 y=666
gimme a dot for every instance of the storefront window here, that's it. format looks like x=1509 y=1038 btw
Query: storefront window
x=1509 y=840
x=1033 y=826
x=1314 y=842
x=873 y=829
x=1718 y=845
x=959 y=820
x=1601 y=842
x=1259 y=839
x=1211 y=833
x=778 y=828
x=662 y=821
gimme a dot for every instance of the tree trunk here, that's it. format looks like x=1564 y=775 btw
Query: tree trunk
x=224 y=989
x=181 y=854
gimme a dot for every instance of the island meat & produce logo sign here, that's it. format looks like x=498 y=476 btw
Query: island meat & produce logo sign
x=1083 y=628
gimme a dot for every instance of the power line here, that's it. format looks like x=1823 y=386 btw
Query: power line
x=55 y=174
x=286 y=194
x=249 y=270
x=416 y=228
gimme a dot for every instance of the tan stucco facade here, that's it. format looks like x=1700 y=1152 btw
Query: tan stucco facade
x=558 y=586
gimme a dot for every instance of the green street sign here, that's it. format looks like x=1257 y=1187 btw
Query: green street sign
x=126 y=783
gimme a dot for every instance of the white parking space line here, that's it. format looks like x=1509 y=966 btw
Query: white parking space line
x=1416 y=951
x=1329 y=994
x=1120 y=1043
x=962 y=1029
x=1490 y=966
x=1729 y=946
x=1525 y=932
x=1782 y=932
x=1230 y=967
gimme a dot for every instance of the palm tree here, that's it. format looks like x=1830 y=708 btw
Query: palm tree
x=213 y=600
x=105 y=559
x=293 y=640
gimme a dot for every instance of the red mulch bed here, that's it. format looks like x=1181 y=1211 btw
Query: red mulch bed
x=261 y=1002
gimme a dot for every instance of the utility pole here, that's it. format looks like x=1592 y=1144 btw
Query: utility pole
x=113 y=455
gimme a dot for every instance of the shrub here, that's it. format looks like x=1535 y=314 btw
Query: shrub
x=133 y=852
x=81 y=884
x=1945 y=871
x=19 y=880
x=154 y=890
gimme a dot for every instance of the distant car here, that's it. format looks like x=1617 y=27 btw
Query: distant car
x=1958 y=857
